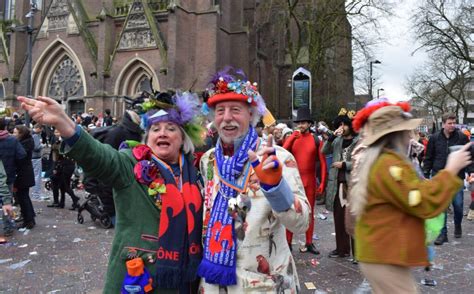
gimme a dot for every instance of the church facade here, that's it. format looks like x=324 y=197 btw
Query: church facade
x=88 y=53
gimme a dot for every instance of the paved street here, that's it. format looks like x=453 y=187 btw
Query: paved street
x=61 y=256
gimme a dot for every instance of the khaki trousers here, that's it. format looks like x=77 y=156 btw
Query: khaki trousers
x=386 y=278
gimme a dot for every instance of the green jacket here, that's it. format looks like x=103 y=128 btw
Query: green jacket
x=5 y=195
x=334 y=148
x=136 y=213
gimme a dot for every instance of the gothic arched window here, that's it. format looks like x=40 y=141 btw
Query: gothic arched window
x=66 y=80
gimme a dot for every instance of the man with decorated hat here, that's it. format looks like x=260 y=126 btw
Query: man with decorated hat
x=253 y=191
x=306 y=147
x=340 y=145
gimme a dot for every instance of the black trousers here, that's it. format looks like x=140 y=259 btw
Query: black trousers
x=61 y=181
x=23 y=199
x=343 y=240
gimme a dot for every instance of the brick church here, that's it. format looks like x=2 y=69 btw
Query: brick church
x=89 y=53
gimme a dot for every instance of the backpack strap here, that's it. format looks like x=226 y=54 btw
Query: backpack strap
x=316 y=142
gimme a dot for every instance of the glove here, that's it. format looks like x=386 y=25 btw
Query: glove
x=269 y=171
x=137 y=279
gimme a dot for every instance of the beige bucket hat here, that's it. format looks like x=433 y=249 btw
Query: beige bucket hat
x=386 y=120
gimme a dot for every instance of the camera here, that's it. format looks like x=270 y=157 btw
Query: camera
x=469 y=168
x=322 y=128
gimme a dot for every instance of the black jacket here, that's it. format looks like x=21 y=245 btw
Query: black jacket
x=11 y=153
x=25 y=175
x=437 y=151
x=113 y=136
x=126 y=130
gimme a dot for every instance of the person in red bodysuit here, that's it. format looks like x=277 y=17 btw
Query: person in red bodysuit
x=306 y=148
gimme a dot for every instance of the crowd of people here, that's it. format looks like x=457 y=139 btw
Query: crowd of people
x=31 y=153
x=210 y=205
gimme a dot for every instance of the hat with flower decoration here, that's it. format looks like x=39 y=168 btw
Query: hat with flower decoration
x=380 y=118
x=344 y=116
x=225 y=86
x=181 y=108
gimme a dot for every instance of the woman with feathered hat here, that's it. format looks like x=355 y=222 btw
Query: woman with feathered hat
x=390 y=201
x=157 y=243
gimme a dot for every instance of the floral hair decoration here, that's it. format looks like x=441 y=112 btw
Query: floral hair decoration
x=363 y=115
x=227 y=87
x=182 y=108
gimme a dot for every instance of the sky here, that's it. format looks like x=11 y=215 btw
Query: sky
x=396 y=54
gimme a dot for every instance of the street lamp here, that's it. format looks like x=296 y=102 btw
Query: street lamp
x=378 y=92
x=29 y=30
x=370 y=77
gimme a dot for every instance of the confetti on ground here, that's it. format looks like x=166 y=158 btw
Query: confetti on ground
x=77 y=240
x=5 y=260
x=23 y=246
x=438 y=266
x=469 y=267
x=19 y=264
x=310 y=286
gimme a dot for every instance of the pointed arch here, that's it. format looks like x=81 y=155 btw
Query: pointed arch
x=132 y=78
x=54 y=56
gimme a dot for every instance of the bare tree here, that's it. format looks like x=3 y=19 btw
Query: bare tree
x=452 y=79
x=444 y=29
x=423 y=93
x=313 y=30
x=443 y=84
x=446 y=25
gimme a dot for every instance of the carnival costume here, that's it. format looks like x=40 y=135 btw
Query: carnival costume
x=390 y=226
x=158 y=232
x=246 y=214
x=306 y=147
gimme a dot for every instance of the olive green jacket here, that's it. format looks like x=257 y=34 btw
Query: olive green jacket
x=136 y=213
x=391 y=230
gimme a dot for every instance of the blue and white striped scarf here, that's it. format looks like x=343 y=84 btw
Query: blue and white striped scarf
x=220 y=251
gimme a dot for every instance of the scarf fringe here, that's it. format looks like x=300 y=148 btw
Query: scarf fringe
x=167 y=278
x=217 y=274
x=190 y=272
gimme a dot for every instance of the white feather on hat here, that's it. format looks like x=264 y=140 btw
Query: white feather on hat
x=281 y=126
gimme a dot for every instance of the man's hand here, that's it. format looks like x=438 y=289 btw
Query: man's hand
x=459 y=159
x=45 y=110
x=339 y=131
x=337 y=164
x=269 y=171
x=319 y=191
x=470 y=178
x=7 y=209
